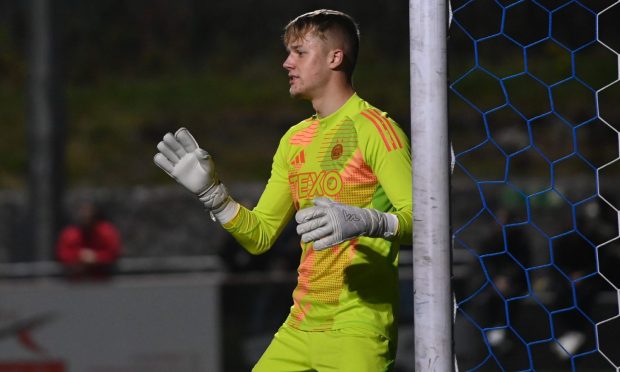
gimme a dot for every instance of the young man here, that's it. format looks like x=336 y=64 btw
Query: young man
x=345 y=173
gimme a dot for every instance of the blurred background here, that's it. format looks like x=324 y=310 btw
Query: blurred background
x=119 y=75
x=87 y=90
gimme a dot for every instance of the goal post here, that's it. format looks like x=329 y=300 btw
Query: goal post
x=433 y=317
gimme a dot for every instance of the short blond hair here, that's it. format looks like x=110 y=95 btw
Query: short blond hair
x=323 y=21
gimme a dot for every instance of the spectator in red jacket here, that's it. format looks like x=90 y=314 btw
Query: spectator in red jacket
x=91 y=246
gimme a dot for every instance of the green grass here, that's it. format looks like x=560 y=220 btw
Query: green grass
x=238 y=113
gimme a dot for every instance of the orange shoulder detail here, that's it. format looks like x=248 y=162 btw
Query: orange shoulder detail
x=305 y=136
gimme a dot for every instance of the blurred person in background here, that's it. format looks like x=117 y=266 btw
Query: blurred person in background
x=91 y=246
x=344 y=174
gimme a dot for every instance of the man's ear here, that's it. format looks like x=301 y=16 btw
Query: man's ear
x=336 y=59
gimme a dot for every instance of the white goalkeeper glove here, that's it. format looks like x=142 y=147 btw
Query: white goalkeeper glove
x=180 y=156
x=328 y=223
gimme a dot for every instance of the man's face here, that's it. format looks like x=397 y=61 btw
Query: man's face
x=308 y=66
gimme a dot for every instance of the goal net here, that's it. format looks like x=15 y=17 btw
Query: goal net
x=534 y=117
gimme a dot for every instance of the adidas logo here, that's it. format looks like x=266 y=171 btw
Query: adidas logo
x=299 y=160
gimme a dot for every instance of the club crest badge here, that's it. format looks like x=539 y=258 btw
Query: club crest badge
x=337 y=151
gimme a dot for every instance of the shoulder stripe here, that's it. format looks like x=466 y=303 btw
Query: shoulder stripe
x=385 y=128
x=391 y=127
x=368 y=116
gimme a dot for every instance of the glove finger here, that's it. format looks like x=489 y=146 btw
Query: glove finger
x=174 y=145
x=307 y=214
x=323 y=202
x=324 y=243
x=317 y=234
x=168 y=152
x=202 y=154
x=162 y=161
x=204 y=159
x=310 y=225
x=186 y=139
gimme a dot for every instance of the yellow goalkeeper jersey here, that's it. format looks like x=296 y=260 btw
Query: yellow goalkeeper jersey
x=356 y=156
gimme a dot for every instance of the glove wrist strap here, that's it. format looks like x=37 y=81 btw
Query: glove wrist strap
x=382 y=225
x=218 y=202
x=226 y=213
x=391 y=225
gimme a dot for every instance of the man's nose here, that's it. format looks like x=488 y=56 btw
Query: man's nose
x=288 y=63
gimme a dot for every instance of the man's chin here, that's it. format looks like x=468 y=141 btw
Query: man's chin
x=297 y=95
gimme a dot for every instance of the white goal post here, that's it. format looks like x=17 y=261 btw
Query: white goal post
x=433 y=319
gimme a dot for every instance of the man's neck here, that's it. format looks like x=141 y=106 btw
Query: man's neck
x=332 y=100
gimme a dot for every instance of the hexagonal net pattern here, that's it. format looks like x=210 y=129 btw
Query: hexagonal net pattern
x=534 y=121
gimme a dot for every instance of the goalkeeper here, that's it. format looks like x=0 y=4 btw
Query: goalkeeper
x=344 y=174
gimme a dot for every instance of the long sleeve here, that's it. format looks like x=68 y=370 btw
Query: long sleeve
x=256 y=230
x=387 y=151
